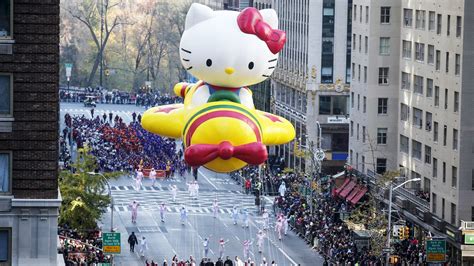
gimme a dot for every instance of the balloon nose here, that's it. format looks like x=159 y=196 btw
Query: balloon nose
x=229 y=70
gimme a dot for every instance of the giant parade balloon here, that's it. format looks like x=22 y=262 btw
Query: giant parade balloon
x=220 y=127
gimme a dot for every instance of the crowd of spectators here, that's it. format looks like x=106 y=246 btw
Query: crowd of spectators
x=228 y=261
x=80 y=249
x=121 y=147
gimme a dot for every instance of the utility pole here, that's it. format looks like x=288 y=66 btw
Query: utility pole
x=101 y=66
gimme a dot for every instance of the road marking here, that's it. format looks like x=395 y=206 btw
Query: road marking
x=203 y=175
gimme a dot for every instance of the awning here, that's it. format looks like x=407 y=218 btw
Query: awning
x=339 y=189
x=347 y=189
x=339 y=174
x=353 y=192
x=359 y=195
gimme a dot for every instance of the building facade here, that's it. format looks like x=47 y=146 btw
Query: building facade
x=29 y=109
x=374 y=86
x=311 y=82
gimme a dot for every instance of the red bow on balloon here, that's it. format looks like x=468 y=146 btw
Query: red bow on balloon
x=199 y=154
x=251 y=21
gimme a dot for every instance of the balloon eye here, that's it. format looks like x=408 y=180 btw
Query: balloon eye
x=208 y=62
x=251 y=65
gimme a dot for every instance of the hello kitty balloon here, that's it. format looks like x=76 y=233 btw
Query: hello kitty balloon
x=220 y=127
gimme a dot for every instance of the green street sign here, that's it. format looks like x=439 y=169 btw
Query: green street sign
x=436 y=250
x=469 y=239
x=111 y=243
x=104 y=264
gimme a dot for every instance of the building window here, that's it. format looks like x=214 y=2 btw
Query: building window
x=431 y=20
x=358 y=102
x=455 y=139
x=5 y=172
x=435 y=131
x=364 y=105
x=417 y=118
x=407 y=17
x=427 y=154
x=420 y=19
x=446 y=99
x=382 y=135
x=6 y=92
x=352 y=99
x=430 y=54
x=363 y=164
x=429 y=87
x=429 y=117
x=419 y=52
x=360 y=11
x=436 y=98
x=438 y=60
x=351 y=154
x=406 y=49
x=433 y=199
x=6 y=20
x=353 y=71
x=472 y=213
x=5 y=246
x=453 y=214
x=385 y=14
x=365 y=74
x=358 y=72
x=443 y=203
x=381 y=165
x=448 y=25
x=352 y=128
x=406 y=77
x=456 y=101
x=384 y=45
x=418 y=84
x=447 y=62
x=454 y=176
x=439 y=23
x=404 y=144
x=355 y=12
x=435 y=168
x=360 y=43
x=353 y=43
x=366 y=44
x=404 y=112
x=458 y=26
x=363 y=134
x=357 y=131
x=383 y=75
x=416 y=149
x=444 y=172
x=382 y=106
x=366 y=14
x=457 y=67
x=445 y=135
x=324 y=105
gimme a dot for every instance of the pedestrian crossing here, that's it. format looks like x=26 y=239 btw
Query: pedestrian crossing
x=150 y=199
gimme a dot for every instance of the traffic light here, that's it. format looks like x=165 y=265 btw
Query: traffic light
x=401 y=233
x=406 y=232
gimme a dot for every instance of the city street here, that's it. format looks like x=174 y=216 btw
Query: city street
x=171 y=237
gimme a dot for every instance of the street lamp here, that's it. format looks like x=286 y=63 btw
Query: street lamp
x=389 y=230
x=111 y=199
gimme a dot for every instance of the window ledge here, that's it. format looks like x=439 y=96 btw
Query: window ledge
x=7 y=41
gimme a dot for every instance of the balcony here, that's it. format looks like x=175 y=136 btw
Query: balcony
x=417 y=202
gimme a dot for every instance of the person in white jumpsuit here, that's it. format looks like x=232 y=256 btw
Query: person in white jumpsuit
x=285 y=224
x=153 y=176
x=279 y=227
x=245 y=218
x=260 y=239
x=162 y=212
x=174 y=192
x=134 y=206
x=183 y=214
x=191 y=189
x=143 y=246
x=282 y=189
x=266 y=220
x=205 y=244
x=215 y=208
x=235 y=215
x=138 y=180
x=222 y=243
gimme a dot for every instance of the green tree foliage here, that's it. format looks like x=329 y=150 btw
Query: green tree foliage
x=84 y=196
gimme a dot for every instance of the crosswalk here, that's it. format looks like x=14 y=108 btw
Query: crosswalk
x=150 y=199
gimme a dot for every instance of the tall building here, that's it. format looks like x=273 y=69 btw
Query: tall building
x=29 y=108
x=311 y=81
x=374 y=86
x=431 y=92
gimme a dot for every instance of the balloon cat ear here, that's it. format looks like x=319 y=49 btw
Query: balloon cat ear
x=197 y=13
x=270 y=17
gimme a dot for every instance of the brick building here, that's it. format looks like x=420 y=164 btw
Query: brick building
x=29 y=109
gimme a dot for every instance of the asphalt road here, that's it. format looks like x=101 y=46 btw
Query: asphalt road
x=171 y=237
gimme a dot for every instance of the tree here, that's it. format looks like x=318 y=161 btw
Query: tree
x=83 y=198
